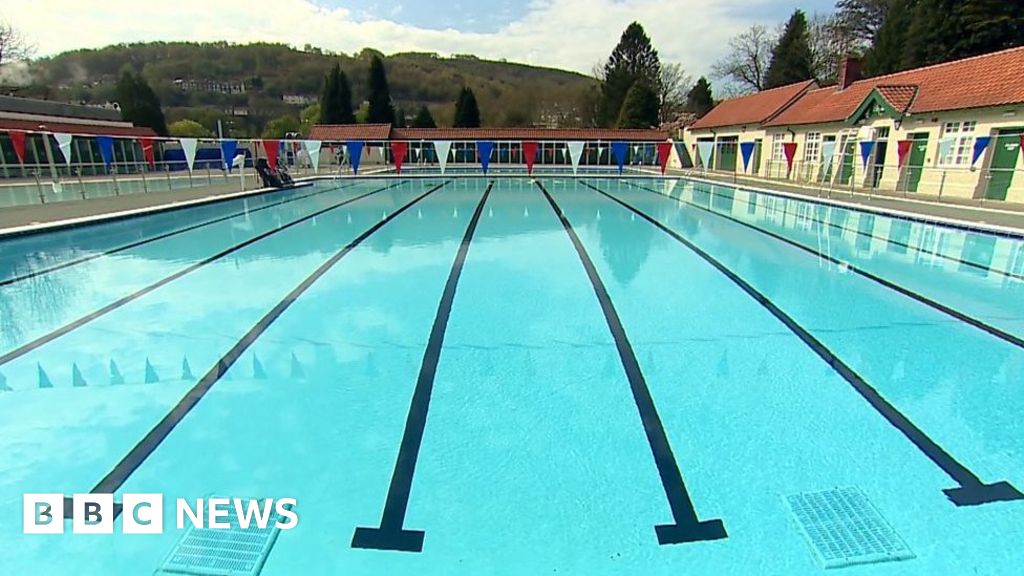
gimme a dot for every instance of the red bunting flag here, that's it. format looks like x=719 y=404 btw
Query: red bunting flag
x=1022 y=142
x=789 y=149
x=903 y=149
x=398 y=150
x=529 y=156
x=147 y=145
x=664 y=153
x=18 y=140
x=272 y=148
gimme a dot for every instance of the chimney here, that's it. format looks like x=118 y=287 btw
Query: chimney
x=849 y=72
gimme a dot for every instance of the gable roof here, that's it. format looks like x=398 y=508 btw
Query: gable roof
x=755 y=108
x=978 y=82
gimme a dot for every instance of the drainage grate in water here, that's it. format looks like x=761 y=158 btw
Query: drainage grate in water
x=224 y=552
x=844 y=528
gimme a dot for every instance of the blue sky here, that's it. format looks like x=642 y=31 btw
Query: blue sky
x=571 y=34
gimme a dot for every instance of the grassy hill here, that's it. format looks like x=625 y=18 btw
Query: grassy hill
x=509 y=94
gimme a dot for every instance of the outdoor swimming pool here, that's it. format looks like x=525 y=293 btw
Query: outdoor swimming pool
x=469 y=376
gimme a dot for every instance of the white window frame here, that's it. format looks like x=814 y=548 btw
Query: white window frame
x=812 y=147
x=962 y=134
x=778 y=154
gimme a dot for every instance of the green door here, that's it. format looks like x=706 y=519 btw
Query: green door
x=846 y=168
x=727 y=157
x=1004 y=160
x=755 y=162
x=915 y=164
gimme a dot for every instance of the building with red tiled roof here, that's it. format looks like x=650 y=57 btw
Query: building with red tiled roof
x=952 y=129
x=752 y=109
x=384 y=132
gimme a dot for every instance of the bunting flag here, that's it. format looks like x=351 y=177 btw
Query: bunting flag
x=1021 y=143
x=189 y=145
x=704 y=150
x=18 y=141
x=227 y=151
x=484 y=149
x=313 y=148
x=682 y=153
x=789 y=149
x=664 y=153
x=746 y=151
x=148 y=146
x=442 y=148
x=575 y=153
x=945 y=147
x=866 y=148
x=398 y=150
x=980 y=144
x=64 y=143
x=903 y=150
x=828 y=150
x=355 y=154
x=529 y=156
x=272 y=148
x=106 y=144
x=620 y=150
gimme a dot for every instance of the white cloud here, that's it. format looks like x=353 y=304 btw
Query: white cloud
x=572 y=34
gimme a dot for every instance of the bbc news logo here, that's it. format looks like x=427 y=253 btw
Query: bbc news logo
x=144 y=513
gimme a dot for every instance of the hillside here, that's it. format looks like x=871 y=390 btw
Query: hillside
x=509 y=94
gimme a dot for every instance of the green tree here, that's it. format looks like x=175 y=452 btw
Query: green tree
x=281 y=127
x=424 y=119
x=886 y=53
x=640 y=109
x=699 y=99
x=189 y=129
x=139 y=104
x=467 y=113
x=792 y=60
x=399 y=117
x=336 y=98
x=863 y=18
x=380 y=110
x=990 y=25
x=633 y=60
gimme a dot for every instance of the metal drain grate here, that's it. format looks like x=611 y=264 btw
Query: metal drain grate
x=844 y=528
x=225 y=552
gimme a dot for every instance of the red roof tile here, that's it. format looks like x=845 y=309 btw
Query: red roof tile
x=899 y=97
x=351 y=132
x=74 y=128
x=982 y=81
x=380 y=132
x=754 y=108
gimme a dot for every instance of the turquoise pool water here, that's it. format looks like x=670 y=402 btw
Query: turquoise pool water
x=473 y=376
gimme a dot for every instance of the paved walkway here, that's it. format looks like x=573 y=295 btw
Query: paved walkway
x=965 y=210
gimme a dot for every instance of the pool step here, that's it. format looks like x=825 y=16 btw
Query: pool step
x=843 y=528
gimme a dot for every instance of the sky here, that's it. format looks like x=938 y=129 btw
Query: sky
x=569 y=34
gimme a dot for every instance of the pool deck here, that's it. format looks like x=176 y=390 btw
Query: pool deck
x=36 y=217
x=968 y=211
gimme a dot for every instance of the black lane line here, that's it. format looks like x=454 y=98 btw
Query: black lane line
x=969 y=320
x=138 y=454
x=391 y=535
x=30 y=346
x=971 y=490
x=919 y=250
x=136 y=244
x=686 y=526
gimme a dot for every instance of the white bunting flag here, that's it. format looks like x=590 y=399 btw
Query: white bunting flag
x=828 y=150
x=442 y=147
x=704 y=149
x=313 y=149
x=189 y=145
x=945 y=148
x=64 y=142
x=575 y=153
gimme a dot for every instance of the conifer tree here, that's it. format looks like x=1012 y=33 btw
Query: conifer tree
x=633 y=60
x=792 y=60
x=380 y=109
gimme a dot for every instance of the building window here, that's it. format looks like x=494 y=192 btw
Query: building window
x=960 y=136
x=812 y=147
x=778 y=155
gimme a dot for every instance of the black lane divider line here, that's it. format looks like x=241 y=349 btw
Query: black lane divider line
x=152 y=440
x=969 y=320
x=917 y=249
x=30 y=346
x=687 y=527
x=391 y=534
x=136 y=244
x=971 y=490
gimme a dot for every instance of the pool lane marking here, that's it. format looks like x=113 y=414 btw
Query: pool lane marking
x=136 y=244
x=971 y=490
x=919 y=250
x=391 y=534
x=30 y=346
x=141 y=451
x=687 y=527
x=969 y=320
